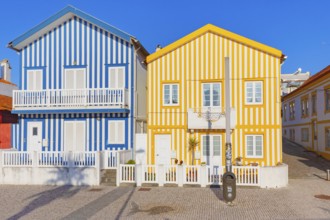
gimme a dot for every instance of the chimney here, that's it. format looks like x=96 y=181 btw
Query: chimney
x=158 y=47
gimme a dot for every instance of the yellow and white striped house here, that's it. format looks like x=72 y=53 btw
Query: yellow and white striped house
x=186 y=78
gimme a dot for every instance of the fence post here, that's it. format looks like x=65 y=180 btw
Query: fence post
x=118 y=175
x=35 y=159
x=161 y=174
x=102 y=159
x=180 y=174
x=203 y=176
x=138 y=174
x=98 y=167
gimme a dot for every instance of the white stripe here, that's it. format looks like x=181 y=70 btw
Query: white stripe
x=78 y=41
x=51 y=132
x=103 y=60
x=93 y=58
x=33 y=54
x=83 y=42
x=119 y=50
x=47 y=61
x=114 y=49
x=52 y=61
x=72 y=41
x=103 y=131
x=56 y=132
x=67 y=43
x=57 y=58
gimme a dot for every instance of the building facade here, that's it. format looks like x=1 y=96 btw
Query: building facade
x=80 y=82
x=306 y=114
x=186 y=83
x=6 y=118
x=292 y=81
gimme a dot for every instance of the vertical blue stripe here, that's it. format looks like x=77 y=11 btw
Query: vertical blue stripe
x=75 y=39
x=101 y=59
x=64 y=52
x=60 y=57
x=95 y=58
x=80 y=42
x=55 y=57
x=20 y=69
x=111 y=49
x=40 y=56
x=106 y=59
x=25 y=72
x=90 y=56
x=49 y=60
x=85 y=43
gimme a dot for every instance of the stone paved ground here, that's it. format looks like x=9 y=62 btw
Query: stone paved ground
x=297 y=201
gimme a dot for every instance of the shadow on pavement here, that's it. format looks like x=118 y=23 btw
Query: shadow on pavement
x=308 y=158
x=46 y=197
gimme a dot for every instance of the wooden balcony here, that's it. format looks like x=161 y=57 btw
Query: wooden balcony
x=70 y=99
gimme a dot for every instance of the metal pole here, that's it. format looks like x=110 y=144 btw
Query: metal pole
x=227 y=112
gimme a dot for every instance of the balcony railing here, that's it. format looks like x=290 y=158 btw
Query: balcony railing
x=69 y=98
x=210 y=118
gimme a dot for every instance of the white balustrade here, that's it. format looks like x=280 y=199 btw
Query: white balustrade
x=127 y=173
x=214 y=175
x=192 y=174
x=52 y=158
x=150 y=174
x=17 y=159
x=83 y=159
x=170 y=174
x=246 y=175
x=69 y=98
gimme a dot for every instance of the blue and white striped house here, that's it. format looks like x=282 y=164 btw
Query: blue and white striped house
x=80 y=82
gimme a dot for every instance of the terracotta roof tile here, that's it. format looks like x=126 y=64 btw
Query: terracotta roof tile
x=5 y=103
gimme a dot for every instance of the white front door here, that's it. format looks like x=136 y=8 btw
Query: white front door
x=163 y=148
x=34 y=136
x=74 y=136
x=211 y=145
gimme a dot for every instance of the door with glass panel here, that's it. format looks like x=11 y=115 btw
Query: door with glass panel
x=211 y=146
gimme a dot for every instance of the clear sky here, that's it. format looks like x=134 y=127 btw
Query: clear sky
x=300 y=28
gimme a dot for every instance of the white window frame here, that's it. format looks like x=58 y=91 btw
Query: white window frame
x=115 y=132
x=211 y=143
x=116 y=68
x=254 y=146
x=254 y=93
x=211 y=94
x=171 y=94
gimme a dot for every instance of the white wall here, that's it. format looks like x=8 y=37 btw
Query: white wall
x=7 y=89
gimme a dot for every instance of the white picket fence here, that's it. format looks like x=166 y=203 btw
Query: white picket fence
x=16 y=159
x=187 y=174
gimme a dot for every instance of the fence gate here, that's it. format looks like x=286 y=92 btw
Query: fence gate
x=141 y=148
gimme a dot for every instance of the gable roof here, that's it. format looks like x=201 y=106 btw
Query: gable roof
x=311 y=80
x=219 y=31
x=59 y=17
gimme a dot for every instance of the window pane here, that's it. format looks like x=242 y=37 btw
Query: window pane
x=216 y=94
x=167 y=94
x=174 y=94
x=216 y=146
x=206 y=95
x=249 y=147
x=35 y=131
x=206 y=146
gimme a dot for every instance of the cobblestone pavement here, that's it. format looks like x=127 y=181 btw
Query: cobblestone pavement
x=303 y=163
x=297 y=201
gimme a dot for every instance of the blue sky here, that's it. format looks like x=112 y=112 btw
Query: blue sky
x=300 y=28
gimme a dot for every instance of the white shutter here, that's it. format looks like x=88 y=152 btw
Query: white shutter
x=80 y=79
x=112 y=78
x=120 y=132
x=120 y=78
x=69 y=136
x=30 y=80
x=38 y=79
x=69 y=79
x=112 y=132
x=80 y=136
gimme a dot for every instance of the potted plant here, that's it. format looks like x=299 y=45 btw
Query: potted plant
x=239 y=161
x=192 y=144
x=203 y=163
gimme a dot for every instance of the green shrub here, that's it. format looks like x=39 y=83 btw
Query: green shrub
x=131 y=162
